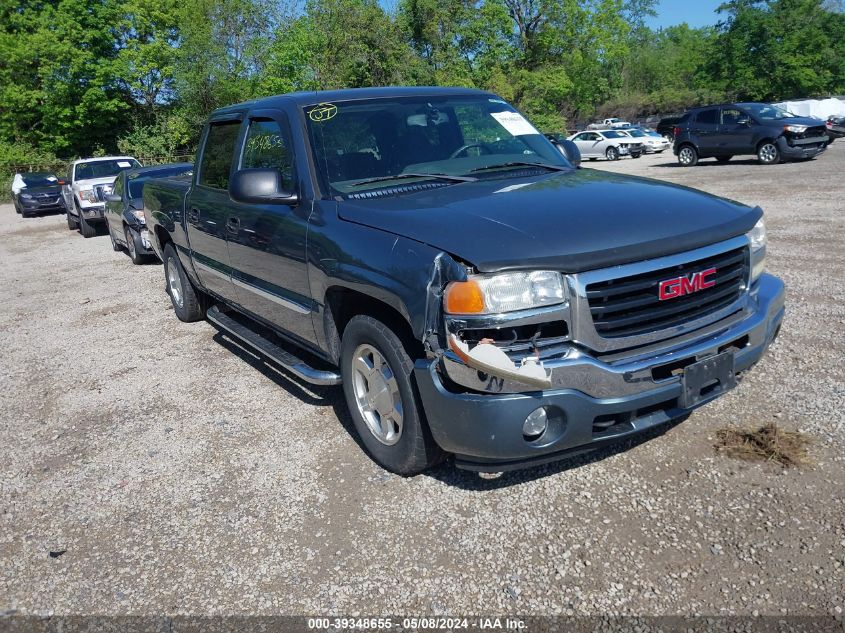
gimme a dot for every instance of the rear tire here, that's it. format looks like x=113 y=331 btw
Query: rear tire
x=724 y=159
x=612 y=153
x=189 y=304
x=688 y=156
x=768 y=153
x=382 y=398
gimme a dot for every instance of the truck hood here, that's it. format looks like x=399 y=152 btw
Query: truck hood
x=90 y=182
x=569 y=221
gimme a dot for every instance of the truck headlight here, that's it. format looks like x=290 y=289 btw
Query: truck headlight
x=757 y=240
x=139 y=215
x=26 y=196
x=506 y=292
x=795 y=129
x=88 y=195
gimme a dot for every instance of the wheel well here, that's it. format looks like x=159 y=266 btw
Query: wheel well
x=162 y=236
x=342 y=304
x=766 y=140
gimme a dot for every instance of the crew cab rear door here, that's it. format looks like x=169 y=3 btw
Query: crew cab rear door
x=208 y=207
x=267 y=240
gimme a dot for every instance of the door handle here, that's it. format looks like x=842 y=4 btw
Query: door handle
x=233 y=225
x=194 y=215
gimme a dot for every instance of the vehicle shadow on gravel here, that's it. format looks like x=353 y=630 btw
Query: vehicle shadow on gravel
x=706 y=162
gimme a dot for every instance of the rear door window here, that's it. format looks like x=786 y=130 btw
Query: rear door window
x=217 y=156
x=707 y=117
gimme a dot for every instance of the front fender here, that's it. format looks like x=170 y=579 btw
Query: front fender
x=395 y=270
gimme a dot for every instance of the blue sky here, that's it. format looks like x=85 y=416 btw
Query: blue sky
x=694 y=12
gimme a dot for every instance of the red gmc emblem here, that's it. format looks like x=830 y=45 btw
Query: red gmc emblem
x=680 y=286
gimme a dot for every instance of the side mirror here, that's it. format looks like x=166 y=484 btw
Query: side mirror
x=112 y=197
x=261 y=186
x=570 y=150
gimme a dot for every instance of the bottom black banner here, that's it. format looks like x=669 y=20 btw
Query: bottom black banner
x=471 y=624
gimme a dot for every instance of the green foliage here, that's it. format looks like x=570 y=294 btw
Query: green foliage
x=165 y=139
x=79 y=77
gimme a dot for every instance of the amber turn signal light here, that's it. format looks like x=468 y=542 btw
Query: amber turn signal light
x=464 y=297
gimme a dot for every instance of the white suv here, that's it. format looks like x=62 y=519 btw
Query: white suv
x=88 y=183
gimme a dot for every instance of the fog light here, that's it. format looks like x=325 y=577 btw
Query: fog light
x=535 y=424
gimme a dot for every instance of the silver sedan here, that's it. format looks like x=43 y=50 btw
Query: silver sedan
x=609 y=144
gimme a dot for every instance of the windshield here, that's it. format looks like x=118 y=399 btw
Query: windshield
x=136 y=181
x=103 y=168
x=376 y=139
x=39 y=180
x=636 y=133
x=768 y=112
x=614 y=135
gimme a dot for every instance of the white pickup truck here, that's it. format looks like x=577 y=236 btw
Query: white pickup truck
x=612 y=123
x=88 y=183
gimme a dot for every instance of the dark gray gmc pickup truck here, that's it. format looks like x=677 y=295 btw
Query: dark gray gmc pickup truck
x=475 y=292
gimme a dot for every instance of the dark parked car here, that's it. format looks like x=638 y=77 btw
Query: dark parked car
x=835 y=127
x=37 y=192
x=124 y=212
x=766 y=131
x=472 y=291
x=666 y=127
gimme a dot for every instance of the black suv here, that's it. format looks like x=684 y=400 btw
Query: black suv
x=767 y=131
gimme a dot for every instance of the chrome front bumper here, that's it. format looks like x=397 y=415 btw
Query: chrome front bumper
x=622 y=374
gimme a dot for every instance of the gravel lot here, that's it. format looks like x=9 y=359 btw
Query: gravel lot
x=179 y=475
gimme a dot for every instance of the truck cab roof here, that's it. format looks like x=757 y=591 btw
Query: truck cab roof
x=312 y=97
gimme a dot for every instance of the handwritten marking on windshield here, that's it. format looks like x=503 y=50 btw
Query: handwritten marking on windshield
x=322 y=112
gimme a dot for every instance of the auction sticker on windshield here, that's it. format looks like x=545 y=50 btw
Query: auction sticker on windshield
x=514 y=123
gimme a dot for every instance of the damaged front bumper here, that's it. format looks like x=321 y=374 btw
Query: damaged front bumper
x=591 y=399
x=798 y=148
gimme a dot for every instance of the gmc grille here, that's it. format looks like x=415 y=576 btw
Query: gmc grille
x=631 y=305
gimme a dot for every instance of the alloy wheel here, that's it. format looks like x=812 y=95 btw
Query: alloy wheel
x=377 y=394
x=174 y=284
x=768 y=153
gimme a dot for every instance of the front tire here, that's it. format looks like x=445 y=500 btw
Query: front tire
x=612 y=153
x=382 y=398
x=114 y=245
x=18 y=208
x=131 y=247
x=85 y=227
x=72 y=224
x=189 y=304
x=768 y=153
x=688 y=156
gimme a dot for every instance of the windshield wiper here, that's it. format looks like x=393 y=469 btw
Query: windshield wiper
x=520 y=164
x=415 y=175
